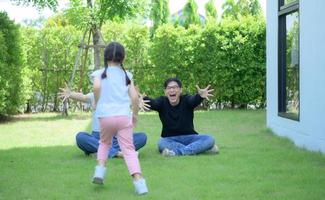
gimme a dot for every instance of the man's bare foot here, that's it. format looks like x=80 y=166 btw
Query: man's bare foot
x=119 y=154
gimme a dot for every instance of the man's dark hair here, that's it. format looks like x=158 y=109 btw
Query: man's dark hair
x=179 y=83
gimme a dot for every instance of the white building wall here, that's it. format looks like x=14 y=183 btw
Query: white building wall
x=309 y=132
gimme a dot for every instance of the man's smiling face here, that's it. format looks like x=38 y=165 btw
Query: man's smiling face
x=173 y=93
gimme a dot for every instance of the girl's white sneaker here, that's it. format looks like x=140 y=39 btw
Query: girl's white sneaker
x=99 y=174
x=140 y=186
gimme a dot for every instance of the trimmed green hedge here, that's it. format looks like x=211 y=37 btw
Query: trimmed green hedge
x=229 y=55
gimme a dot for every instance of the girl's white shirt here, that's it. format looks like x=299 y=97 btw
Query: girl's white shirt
x=114 y=98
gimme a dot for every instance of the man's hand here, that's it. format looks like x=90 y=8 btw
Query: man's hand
x=205 y=93
x=65 y=93
x=143 y=104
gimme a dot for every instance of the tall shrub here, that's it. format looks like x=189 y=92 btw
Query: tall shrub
x=11 y=92
x=166 y=54
x=136 y=40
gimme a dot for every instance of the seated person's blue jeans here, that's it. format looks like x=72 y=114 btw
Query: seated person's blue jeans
x=89 y=143
x=186 y=144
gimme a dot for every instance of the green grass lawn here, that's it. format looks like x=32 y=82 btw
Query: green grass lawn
x=39 y=160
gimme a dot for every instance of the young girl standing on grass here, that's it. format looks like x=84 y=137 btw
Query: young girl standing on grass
x=113 y=90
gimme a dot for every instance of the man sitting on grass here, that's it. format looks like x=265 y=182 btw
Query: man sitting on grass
x=176 y=113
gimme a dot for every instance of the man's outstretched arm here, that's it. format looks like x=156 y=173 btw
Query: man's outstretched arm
x=205 y=93
x=154 y=104
x=202 y=94
x=66 y=93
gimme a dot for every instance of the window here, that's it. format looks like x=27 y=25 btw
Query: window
x=286 y=2
x=288 y=60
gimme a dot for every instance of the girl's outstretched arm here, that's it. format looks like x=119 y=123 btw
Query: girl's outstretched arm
x=96 y=86
x=135 y=102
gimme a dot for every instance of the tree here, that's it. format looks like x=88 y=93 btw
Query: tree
x=191 y=14
x=235 y=8
x=211 y=11
x=49 y=54
x=159 y=13
x=249 y=7
x=255 y=7
x=39 y=4
x=90 y=17
x=230 y=8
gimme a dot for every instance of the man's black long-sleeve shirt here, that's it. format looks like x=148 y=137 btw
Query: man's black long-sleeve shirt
x=176 y=120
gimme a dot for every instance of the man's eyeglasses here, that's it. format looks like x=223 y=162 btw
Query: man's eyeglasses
x=172 y=87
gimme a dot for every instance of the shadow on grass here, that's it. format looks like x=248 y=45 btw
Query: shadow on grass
x=64 y=172
x=59 y=172
x=46 y=117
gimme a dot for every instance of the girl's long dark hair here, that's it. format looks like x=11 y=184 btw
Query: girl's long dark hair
x=114 y=52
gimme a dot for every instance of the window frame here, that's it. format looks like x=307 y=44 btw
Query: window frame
x=283 y=11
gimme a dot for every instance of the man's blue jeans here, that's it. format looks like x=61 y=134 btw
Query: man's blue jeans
x=89 y=143
x=186 y=144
